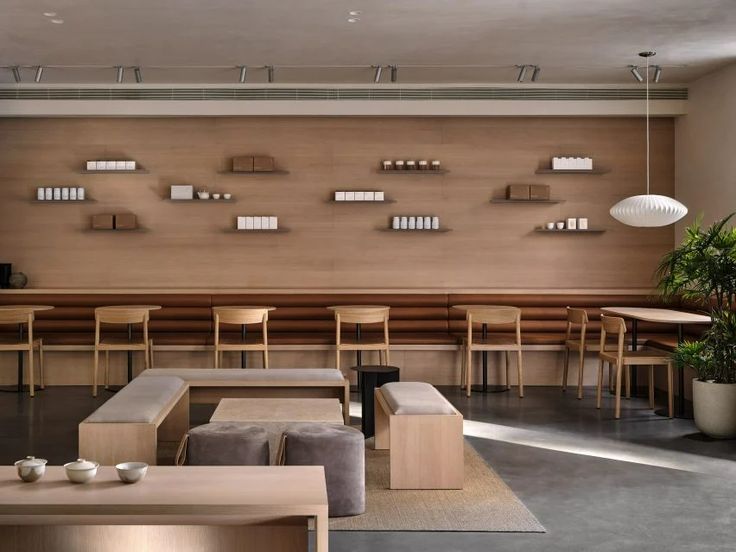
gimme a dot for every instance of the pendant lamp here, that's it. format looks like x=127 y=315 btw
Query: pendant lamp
x=648 y=210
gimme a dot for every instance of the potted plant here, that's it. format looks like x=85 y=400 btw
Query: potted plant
x=702 y=271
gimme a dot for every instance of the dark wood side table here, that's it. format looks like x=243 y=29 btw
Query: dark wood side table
x=371 y=377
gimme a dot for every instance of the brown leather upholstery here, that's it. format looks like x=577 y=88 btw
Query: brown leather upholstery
x=425 y=319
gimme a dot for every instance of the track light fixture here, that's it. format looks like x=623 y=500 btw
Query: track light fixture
x=138 y=75
x=39 y=73
x=635 y=71
x=522 y=73
x=535 y=73
x=16 y=73
x=657 y=73
x=243 y=74
x=394 y=73
x=269 y=69
x=119 y=74
x=377 y=74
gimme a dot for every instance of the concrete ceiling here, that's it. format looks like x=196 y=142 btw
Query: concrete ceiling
x=573 y=41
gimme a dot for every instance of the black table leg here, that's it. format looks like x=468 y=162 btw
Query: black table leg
x=20 y=360
x=358 y=354
x=484 y=387
x=130 y=354
x=634 y=347
x=243 y=336
x=681 y=380
x=367 y=382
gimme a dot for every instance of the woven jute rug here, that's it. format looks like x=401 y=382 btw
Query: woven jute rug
x=485 y=504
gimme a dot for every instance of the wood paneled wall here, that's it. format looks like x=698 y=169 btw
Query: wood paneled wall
x=329 y=246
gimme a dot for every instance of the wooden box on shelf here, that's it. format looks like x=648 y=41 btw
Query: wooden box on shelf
x=518 y=191
x=263 y=163
x=125 y=221
x=539 y=192
x=243 y=163
x=103 y=222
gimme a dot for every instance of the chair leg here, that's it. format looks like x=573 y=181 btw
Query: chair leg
x=107 y=369
x=386 y=354
x=265 y=359
x=146 y=357
x=150 y=353
x=31 y=385
x=508 y=382
x=610 y=378
x=94 y=372
x=40 y=364
x=627 y=373
x=651 y=387
x=337 y=358
x=670 y=395
x=521 y=375
x=217 y=358
x=600 y=385
x=581 y=373
x=468 y=371
x=462 y=366
x=565 y=362
x=619 y=369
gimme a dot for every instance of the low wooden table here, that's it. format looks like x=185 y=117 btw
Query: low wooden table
x=276 y=415
x=187 y=509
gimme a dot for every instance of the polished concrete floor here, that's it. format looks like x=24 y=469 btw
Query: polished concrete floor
x=596 y=484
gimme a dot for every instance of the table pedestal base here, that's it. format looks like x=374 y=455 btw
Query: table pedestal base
x=479 y=388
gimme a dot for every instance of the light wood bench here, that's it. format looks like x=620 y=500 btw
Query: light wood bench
x=129 y=426
x=424 y=434
x=209 y=385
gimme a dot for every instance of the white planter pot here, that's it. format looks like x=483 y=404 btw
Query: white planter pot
x=715 y=408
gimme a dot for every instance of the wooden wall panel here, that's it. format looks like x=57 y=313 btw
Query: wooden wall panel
x=330 y=246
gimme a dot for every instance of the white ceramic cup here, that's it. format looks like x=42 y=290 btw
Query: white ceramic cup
x=550 y=226
x=560 y=225
x=131 y=472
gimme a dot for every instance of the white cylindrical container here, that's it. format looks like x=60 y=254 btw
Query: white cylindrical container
x=396 y=223
x=420 y=223
x=550 y=226
x=404 y=223
x=57 y=194
x=48 y=194
x=427 y=223
x=435 y=223
x=412 y=223
x=40 y=194
x=582 y=224
x=65 y=194
x=387 y=165
x=435 y=165
x=80 y=193
x=572 y=224
x=73 y=194
x=399 y=165
x=560 y=225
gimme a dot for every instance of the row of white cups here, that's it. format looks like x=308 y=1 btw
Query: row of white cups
x=415 y=223
x=60 y=194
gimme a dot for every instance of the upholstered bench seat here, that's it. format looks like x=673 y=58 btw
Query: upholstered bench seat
x=229 y=374
x=414 y=397
x=140 y=401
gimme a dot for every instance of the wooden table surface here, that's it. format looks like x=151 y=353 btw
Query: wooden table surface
x=29 y=307
x=664 y=316
x=278 y=410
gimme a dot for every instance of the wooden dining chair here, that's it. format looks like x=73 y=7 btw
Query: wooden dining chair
x=241 y=316
x=619 y=359
x=117 y=316
x=357 y=314
x=577 y=323
x=493 y=316
x=13 y=342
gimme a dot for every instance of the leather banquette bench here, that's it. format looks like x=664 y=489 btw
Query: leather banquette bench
x=301 y=319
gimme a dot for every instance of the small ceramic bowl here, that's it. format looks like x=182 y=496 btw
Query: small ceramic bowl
x=560 y=225
x=131 y=472
x=81 y=470
x=215 y=196
x=550 y=226
x=31 y=469
x=227 y=196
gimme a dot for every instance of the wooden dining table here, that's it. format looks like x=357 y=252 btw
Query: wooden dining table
x=661 y=316
x=21 y=331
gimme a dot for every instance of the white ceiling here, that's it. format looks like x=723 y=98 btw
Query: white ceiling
x=574 y=41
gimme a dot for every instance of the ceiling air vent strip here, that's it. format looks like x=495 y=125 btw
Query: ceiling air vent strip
x=338 y=94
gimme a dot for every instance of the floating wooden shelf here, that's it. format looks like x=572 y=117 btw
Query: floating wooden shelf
x=136 y=171
x=517 y=201
x=414 y=172
x=415 y=231
x=253 y=173
x=63 y=201
x=571 y=171
x=589 y=231
x=277 y=231
x=207 y=201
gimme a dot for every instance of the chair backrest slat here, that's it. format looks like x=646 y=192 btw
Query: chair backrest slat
x=362 y=315
x=121 y=315
x=494 y=315
x=240 y=315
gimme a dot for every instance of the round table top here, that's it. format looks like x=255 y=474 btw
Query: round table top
x=354 y=307
x=28 y=307
x=141 y=307
x=375 y=368
x=476 y=307
x=243 y=307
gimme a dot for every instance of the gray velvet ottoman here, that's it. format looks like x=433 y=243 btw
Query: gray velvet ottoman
x=341 y=450
x=225 y=444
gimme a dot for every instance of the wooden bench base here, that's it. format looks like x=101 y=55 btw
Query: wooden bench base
x=426 y=451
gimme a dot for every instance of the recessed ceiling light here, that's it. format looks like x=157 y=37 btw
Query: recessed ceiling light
x=57 y=21
x=355 y=12
x=50 y=14
x=353 y=19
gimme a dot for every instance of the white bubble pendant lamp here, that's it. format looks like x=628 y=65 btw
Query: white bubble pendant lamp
x=648 y=210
